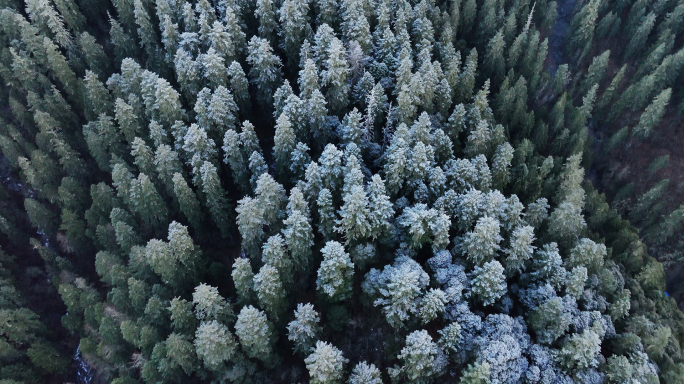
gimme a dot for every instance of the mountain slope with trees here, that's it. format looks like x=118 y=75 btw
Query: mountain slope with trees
x=329 y=191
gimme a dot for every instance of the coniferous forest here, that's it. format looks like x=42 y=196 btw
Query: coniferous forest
x=341 y=191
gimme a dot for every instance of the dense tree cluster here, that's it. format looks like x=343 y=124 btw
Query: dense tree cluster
x=626 y=60
x=333 y=191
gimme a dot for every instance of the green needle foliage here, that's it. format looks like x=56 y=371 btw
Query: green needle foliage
x=333 y=192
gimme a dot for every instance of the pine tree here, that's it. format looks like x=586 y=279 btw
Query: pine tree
x=587 y=106
x=397 y=289
x=233 y=156
x=495 y=63
x=325 y=364
x=308 y=79
x=265 y=72
x=488 y=282
x=143 y=156
x=270 y=293
x=335 y=76
x=49 y=21
x=284 y=144
x=364 y=373
x=380 y=208
x=256 y=333
x=596 y=71
x=182 y=318
x=271 y=196
x=583 y=25
x=250 y=221
x=479 y=139
x=354 y=222
x=299 y=233
x=355 y=25
x=419 y=357
x=588 y=254
x=188 y=72
x=501 y=164
x=476 y=373
x=638 y=39
x=146 y=31
x=293 y=17
x=239 y=86
x=336 y=272
x=450 y=336
x=621 y=305
x=169 y=35
x=215 y=345
x=466 y=82
x=220 y=41
x=280 y=98
x=576 y=280
x=304 y=330
x=521 y=248
x=222 y=110
x=432 y=305
x=326 y=213
x=216 y=199
x=550 y=320
x=275 y=255
x=243 y=277
x=653 y=114
x=299 y=161
x=234 y=29
x=267 y=19
x=187 y=200
x=98 y=96
x=146 y=202
x=213 y=68
x=580 y=350
x=60 y=68
x=482 y=243
x=210 y=305
x=199 y=148
x=180 y=352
